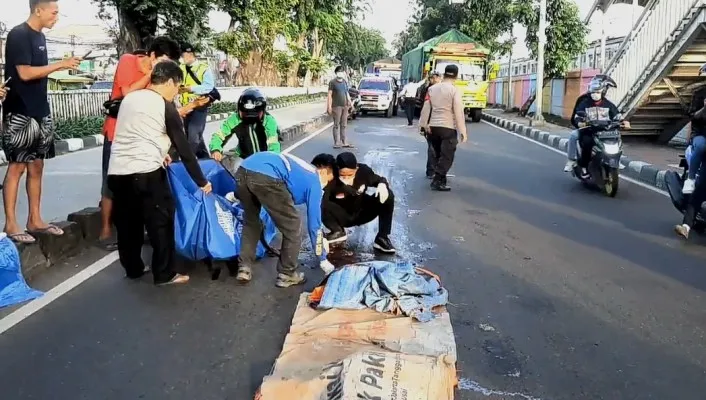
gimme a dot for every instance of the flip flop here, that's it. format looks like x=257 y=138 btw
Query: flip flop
x=21 y=237
x=178 y=279
x=349 y=146
x=49 y=229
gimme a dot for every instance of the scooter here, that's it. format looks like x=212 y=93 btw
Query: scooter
x=603 y=169
x=674 y=181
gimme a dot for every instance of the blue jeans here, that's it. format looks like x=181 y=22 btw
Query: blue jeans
x=573 y=145
x=698 y=147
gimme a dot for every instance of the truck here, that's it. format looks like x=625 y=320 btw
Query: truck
x=473 y=62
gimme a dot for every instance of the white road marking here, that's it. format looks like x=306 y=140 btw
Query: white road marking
x=66 y=286
x=628 y=179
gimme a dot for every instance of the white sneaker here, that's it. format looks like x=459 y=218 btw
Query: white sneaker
x=689 y=186
x=569 y=166
x=682 y=230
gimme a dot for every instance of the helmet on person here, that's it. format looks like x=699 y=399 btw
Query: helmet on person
x=252 y=105
x=599 y=85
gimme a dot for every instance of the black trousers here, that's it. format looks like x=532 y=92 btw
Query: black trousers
x=336 y=218
x=432 y=157
x=444 y=142
x=255 y=191
x=194 y=124
x=144 y=201
x=697 y=198
x=409 y=106
x=586 y=142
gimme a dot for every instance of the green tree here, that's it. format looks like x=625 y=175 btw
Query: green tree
x=358 y=46
x=138 y=20
x=406 y=40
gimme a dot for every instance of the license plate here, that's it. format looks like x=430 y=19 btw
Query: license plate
x=608 y=135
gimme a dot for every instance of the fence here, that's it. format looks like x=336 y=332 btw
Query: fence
x=89 y=103
x=558 y=97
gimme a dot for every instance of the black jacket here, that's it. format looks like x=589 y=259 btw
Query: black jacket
x=349 y=197
x=585 y=102
x=698 y=119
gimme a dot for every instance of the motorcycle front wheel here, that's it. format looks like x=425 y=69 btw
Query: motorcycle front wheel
x=610 y=186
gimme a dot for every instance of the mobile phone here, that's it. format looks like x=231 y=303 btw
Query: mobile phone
x=87 y=54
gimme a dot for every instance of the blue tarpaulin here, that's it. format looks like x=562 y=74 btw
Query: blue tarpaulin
x=208 y=225
x=384 y=287
x=13 y=288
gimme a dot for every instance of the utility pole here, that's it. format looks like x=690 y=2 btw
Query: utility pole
x=509 y=70
x=542 y=39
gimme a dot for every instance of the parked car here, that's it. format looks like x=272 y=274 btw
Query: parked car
x=378 y=94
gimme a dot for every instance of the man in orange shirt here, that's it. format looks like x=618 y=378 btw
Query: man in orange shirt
x=133 y=73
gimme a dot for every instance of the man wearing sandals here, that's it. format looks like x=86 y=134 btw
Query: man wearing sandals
x=337 y=105
x=28 y=132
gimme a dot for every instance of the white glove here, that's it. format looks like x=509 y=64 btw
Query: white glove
x=326 y=245
x=382 y=193
x=326 y=266
x=230 y=196
x=361 y=189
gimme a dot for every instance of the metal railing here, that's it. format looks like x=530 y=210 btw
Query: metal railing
x=71 y=104
x=650 y=39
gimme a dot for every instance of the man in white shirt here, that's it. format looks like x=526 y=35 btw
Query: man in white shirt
x=409 y=93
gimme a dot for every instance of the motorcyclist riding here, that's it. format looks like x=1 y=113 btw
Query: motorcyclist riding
x=254 y=127
x=595 y=101
x=697 y=135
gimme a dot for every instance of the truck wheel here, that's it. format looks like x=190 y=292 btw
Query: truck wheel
x=365 y=112
x=395 y=108
x=476 y=114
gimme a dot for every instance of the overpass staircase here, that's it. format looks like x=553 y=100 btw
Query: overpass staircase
x=656 y=67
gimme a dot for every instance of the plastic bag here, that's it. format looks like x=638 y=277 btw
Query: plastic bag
x=208 y=225
x=13 y=288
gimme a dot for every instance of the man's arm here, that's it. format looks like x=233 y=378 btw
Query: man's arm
x=207 y=84
x=125 y=86
x=18 y=50
x=272 y=134
x=425 y=115
x=370 y=178
x=329 y=99
x=459 y=116
x=313 y=220
x=221 y=137
x=175 y=131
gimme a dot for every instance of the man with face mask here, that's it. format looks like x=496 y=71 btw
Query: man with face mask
x=347 y=203
x=255 y=129
x=593 y=99
x=338 y=103
x=198 y=81
x=279 y=182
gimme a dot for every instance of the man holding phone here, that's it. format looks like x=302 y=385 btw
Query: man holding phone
x=28 y=134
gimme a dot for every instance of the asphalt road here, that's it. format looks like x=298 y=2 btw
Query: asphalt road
x=558 y=292
x=72 y=181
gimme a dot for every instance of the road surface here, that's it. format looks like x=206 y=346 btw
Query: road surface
x=72 y=181
x=558 y=292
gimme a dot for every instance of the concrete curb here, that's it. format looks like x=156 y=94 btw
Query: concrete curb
x=81 y=229
x=63 y=146
x=638 y=170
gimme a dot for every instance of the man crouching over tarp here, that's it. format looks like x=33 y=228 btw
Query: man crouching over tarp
x=278 y=182
x=13 y=288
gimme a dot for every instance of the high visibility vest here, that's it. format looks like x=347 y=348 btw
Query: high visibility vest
x=199 y=70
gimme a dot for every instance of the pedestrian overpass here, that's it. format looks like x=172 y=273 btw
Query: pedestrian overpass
x=656 y=66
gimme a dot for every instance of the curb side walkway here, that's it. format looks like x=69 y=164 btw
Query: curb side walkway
x=643 y=161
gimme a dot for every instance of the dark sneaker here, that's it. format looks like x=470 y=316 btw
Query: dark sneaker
x=336 y=237
x=439 y=186
x=285 y=280
x=383 y=243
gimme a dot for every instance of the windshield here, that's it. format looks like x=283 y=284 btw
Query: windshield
x=374 y=85
x=466 y=70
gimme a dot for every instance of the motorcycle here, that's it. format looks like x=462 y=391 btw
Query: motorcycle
x=605 y=154
x=355 y=99
x=674 y=181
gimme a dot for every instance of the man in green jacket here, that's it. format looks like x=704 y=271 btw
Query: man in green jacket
x=255 y=129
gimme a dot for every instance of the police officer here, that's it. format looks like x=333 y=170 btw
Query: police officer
x=198 y=81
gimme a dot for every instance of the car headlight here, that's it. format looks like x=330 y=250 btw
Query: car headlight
x=611 y=148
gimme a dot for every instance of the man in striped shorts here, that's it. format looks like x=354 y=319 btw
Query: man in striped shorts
x=28 y=133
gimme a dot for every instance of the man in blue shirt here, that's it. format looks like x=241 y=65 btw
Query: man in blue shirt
x=278 y=182
x=198 y=81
